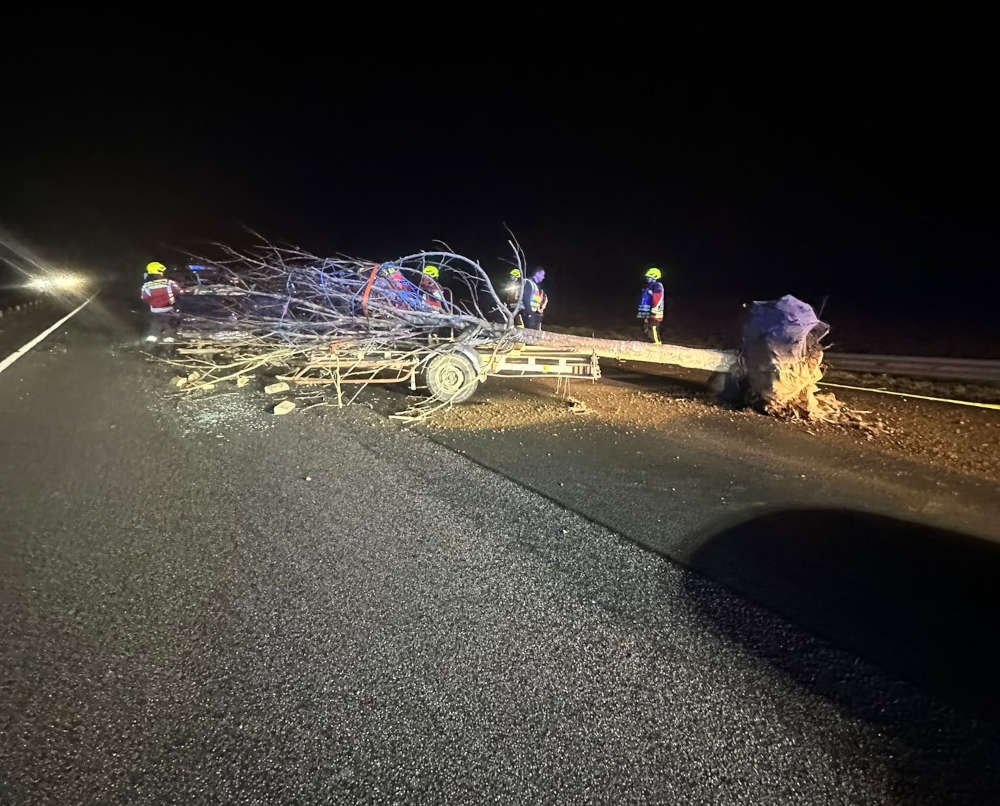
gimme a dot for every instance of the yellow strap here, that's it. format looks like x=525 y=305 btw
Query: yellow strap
x=995 y=406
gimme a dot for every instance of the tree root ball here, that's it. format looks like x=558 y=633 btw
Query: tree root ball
x=782 y=358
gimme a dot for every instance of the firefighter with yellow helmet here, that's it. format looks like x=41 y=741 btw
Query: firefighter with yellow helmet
x=651 y=305
x=525 y=299
x=160 y=293
x=430 y=288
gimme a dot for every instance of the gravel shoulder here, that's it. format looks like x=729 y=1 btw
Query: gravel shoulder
x=951 y=437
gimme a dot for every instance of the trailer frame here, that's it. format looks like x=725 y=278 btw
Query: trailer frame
x=339 y=366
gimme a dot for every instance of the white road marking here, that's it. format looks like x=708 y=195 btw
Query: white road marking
x=18 y=353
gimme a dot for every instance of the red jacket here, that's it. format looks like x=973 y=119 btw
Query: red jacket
x=651 y=302
x=433 y=295
x=160 y=294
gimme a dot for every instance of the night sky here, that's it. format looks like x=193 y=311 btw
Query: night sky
x=748 y=157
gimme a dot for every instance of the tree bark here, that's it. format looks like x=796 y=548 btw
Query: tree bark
x=690 y=357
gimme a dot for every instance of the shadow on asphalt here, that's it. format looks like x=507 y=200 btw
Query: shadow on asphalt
x=920 y=602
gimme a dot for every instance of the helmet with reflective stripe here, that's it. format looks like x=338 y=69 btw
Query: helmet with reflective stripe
x=431 y=271
x=515 y=273
x=654 y=273
x=155 y=268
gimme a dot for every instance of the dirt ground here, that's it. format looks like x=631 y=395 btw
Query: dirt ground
x=951 y=390
x=638 y=396
x=959 y=438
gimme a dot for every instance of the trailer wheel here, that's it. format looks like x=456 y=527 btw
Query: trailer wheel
x=451 y=378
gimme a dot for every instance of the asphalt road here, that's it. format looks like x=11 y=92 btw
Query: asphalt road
x=203 y=603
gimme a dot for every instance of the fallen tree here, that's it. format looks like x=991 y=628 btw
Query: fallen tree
x=647 y=352
x=284 y=306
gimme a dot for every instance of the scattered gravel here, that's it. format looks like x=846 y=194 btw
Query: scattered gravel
x=226 y=412
x=951 y=390
x=957 y=438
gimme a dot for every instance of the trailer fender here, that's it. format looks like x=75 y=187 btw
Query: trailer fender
x=473 y=356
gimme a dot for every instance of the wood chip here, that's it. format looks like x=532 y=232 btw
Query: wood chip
x=284 y=407
x=274 y=388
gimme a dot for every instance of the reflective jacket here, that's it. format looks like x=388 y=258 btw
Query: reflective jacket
x=401 y=291
x=160 y=294
x=531 y=297
x=544 y=304
x=651 y=302
x=433 y=295
x=536 y=303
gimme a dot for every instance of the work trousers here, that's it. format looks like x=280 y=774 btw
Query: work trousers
x=161 y=325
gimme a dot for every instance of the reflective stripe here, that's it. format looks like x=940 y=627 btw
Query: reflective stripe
x=646 y=300
x=530 y=297
x=159 y=295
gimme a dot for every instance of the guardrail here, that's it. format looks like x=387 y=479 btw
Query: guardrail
x=955 y=369
x=21 y=306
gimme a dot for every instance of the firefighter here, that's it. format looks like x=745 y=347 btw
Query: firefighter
x=525 y=298
x=160 y=294
x=651 y=305
x=430 y=288
x=543 y=299
x=402 y=292
x=393 y=277
x=512 y=296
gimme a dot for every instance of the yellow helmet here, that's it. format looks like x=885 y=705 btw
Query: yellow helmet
x=431 y=271
x=654 y=273
x=515 y=273
x=155 y=268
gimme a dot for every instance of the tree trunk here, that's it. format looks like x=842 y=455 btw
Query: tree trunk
x=690 y=357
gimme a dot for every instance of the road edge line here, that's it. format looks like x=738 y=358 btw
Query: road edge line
x=27 y=347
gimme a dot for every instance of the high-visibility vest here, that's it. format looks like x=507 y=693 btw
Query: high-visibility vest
x=651 y=302
x=433 y=295
x=536 y=297
x=545 y=302
x=160 y=294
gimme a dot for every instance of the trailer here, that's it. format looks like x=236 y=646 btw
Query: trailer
x=451 y=373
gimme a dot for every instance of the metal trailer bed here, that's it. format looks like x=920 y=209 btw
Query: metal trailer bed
x=451 y=374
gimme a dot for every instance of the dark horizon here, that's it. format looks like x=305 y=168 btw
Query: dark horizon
x=745 y=162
